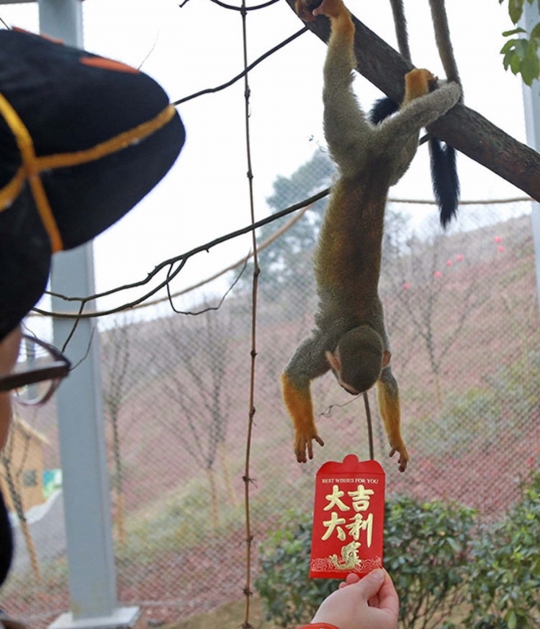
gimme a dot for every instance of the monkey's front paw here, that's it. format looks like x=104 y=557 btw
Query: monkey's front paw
x=303 y=442
x=403 y=455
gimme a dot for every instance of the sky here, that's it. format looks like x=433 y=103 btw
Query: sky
x=199 y=45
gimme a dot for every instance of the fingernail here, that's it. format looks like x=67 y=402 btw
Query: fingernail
x=377 y=575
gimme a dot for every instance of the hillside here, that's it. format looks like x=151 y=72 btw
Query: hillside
x=462 y=314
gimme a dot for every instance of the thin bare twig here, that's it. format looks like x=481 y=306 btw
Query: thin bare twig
x=208 y=308
x=149 y=53
x=231 y=267
x=213 y=90
x=183 y=258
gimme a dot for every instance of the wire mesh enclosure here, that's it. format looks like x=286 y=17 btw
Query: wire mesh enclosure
x=462 y=316
x=461 y=310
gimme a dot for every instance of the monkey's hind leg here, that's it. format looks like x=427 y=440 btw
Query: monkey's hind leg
x=298 y=402
x=389 y=408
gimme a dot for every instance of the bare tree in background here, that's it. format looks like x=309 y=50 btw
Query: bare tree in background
x=396 y=318
x=119 y=378
x=422 y=275
x=196 y=382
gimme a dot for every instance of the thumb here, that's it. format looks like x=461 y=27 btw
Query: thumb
x=371 y=584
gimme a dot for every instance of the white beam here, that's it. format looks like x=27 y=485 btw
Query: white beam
x=86 y=491
x=531 y=103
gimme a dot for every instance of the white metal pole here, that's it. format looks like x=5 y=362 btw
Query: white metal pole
x=531 y=103
x=92 y=575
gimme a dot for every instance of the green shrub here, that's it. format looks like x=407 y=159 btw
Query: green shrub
x=290 y=596
x=425 y=551
x=504 y=572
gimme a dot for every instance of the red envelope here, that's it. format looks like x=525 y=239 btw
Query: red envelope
x=348 y=519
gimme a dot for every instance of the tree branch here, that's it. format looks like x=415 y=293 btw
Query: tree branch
x=463 y=128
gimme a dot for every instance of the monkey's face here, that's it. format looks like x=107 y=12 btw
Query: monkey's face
x=334 y=360
x=358 y=360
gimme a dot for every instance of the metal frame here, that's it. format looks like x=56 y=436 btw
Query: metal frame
x=531 y=104
x=86 y=489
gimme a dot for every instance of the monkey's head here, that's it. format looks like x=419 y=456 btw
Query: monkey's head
x=358 y=359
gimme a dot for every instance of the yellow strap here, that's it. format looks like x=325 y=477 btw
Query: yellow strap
x=12 y=189
x=33 y=165
x=119 y=142
x=30 y=170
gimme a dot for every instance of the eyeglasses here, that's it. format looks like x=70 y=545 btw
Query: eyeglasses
x=39 y=370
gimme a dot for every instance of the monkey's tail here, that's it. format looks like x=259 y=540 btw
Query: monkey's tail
x=444 y=179
x=382 y=108
x=444 y=176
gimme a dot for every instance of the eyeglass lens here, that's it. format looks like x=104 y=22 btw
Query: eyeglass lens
x=32 y=356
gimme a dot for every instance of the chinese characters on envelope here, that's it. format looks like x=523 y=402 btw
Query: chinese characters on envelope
x=348 y=519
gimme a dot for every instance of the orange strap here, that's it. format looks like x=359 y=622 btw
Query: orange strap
x=32 y=165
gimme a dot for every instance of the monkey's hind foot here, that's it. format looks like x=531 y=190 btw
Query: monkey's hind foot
x=403 y=455
x=418 y=82
x=305 y=8
x=308 y=10
x=303 y=442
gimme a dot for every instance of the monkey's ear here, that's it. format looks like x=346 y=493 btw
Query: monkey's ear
x=333 y=361
x=387 y=355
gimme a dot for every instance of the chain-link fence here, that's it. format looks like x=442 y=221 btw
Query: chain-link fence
x=461 y=311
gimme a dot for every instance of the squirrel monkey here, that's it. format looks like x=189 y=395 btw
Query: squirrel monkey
x=350 y=337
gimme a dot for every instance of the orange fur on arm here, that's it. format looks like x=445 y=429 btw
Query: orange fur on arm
x=300 y=407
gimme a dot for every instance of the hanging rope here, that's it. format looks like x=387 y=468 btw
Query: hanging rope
x=256 y=271
x=369 y=427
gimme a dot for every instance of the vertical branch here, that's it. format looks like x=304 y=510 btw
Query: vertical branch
x=249 y=537
x=369 y=427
